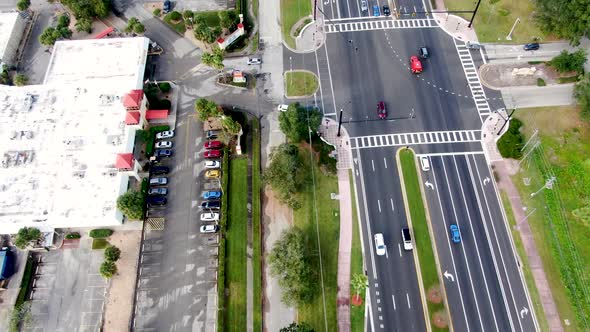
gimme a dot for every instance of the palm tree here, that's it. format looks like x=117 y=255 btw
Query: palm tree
x=359 y=283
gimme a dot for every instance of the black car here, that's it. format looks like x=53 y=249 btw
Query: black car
x=386 y=10
x=157 y=200
x=167 y=6
x=423 y=52
x=211 y=205
x=531 y=46
x=159 y=170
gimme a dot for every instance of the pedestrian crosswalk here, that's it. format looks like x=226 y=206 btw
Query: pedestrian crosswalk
x=380 y=25
x=477 y=91
x=431 y=137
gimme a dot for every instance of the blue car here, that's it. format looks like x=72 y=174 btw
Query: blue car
x=376 y=11
x=455 y=235
x=212 y=194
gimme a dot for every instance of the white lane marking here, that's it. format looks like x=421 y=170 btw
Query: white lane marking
x=370 y=311
x=399 y=247
x=393 y=300
x=485 y=280
x=392 y=208
x=379 y=204
x=449 y=247
x=408 y=298
x=463 y=251
x=373 y=164
x=385 y=162
x=386 y=252
x=367 y=215
x=449 y=154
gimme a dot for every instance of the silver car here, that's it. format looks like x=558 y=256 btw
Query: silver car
x=364 y=5
x=163 y=145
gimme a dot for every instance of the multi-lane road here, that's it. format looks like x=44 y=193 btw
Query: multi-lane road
x=439 y=114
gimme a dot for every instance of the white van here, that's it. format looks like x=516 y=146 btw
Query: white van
x=407 y=239
x=379 y=244
x=424 y=163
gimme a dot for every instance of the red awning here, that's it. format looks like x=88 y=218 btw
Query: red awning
x=156 y=114
x=124 y=161
x=104 y=33
x=132 y=118
x=133 y=98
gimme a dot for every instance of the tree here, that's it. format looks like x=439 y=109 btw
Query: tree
x=63 y=21
x=164 y=87
x=64 y=33
x=230 y=125
x=567 y=62
x=511 y=143
x=582 y=95
x=297 y=327
x=206 y=109
x=23 y=5
x=157 y=12
x=108 y=269
x=131 y=204
x=214 y=59
x=286 y=174
x=139 y=28
x=49 y=36
x=112 y=253
x=228 y=19
x=132 y=25
x=4 y=77
x=290 y=263
x=25 y=235
x=20 y=79
x=88 y=8
x=566 y=19
x=294 y=122
x=84 y=24
x=359 y=283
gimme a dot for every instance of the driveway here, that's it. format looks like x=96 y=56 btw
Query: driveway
x=68 y=292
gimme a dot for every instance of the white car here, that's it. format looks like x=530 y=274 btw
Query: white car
x=210 y=216
x=379 y=244
x=209 y=229
x=282 y=108
x=165 y=134
x=163 y=145
x=364 y=6
x=254 y=61
x=212 y=164
x=424 y=163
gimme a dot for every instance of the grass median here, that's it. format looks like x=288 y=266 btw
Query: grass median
x=300 y=83
x=291 y=12
x=422 y=241
x=256 y=231
x=357 y=313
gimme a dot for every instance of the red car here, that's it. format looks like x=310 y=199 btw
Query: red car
x=213 y=145
x=210 y=154
x=415 y=65
x=381 y=110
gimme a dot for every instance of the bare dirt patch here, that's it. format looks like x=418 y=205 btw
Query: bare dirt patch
x=434 y=295
x=440 y=319
x=500 y=75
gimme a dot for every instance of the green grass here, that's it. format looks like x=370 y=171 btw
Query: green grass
x=493 y=22
x=300 y=83
x=256 y=228
x=291 y=12
x=329 y=229
x=222 y=244
x=236 y=243
x=357 y=314
x=255 y=8
x=255 y=41
x=571 y=79
x=528 y=275
x=99 y=244
x=179 y=25
x=211 y=18
x=541 y=82
x=560 y=238
x=422 y=239
x=25 y=282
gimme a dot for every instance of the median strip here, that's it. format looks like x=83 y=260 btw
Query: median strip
x=428 y=274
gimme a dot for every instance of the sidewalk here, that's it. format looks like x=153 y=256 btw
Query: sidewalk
x=453 y=25
x=328 y=130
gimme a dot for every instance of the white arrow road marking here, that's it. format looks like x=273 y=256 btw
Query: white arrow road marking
x=357 y=172
x=355 y=160
x=392 y=208
x=379 y=204
x=486 y=180
x=385 y=162
x=523 y=312
x=449 y=276
x=429 y=185
x=373 y=164
x=408 y=297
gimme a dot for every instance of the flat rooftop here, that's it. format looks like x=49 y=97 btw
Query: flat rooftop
x=60 y=141
x=7 y=22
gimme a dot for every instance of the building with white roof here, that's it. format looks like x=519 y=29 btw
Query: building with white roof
x=66 y=151
x=12 y=28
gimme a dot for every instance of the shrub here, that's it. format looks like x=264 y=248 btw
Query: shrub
x=567 y=62
x=108 y=269
x=541 y=82
x=164 y=87
x=25 y=235
x=112 y=253
x=20 y=80
x=63 y=21
x=188 y=14
x=175 y=16
x=73 y=235
x=23 y=5
x=100 y=233
x=157 y=12
x=511 y=143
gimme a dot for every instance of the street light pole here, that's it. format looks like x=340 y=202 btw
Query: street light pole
x=548 y=185
x=339 y=123
x=474 y=12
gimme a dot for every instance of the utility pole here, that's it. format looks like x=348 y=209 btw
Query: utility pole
x=315 y=9
x=474 y=12
x=509 y=37
x=339 y=123
x=548 y=185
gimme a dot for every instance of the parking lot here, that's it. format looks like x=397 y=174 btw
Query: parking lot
x=68 y=292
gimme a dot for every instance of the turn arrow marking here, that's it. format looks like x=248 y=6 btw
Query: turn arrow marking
x=486 y=180
x=449 y=276
x=429 y=185
x=523 y=312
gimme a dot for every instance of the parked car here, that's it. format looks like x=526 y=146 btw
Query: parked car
x=210 y=216
x=209 y=229
x=423 y=52
x=208 y=205
x=163 y=153
x=212 y=164
x=282 y=108
x=165 y=134
x=531 y=46
x=213 y=174
x=386 y=10
x=160 y=181
x=158 y=191
x=156 y=200
x=158 y=170
x=212 y=194
x=163 y=145
x=381 y=110
x=210 y=154
x=455 y=234
x=415 y=65
x=376 y=11
x=211 y=134
x=254 y=61
x=213 y=145
x=166 y=7
x=379 y=244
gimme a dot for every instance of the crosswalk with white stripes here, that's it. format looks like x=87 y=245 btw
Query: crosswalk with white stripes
x=380 y=25
x=431 y=137
x=477 y=91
